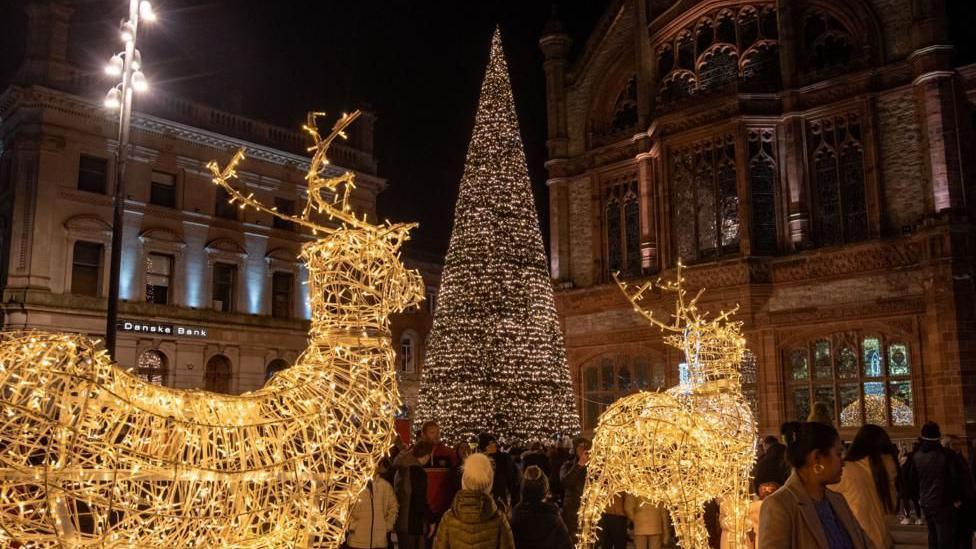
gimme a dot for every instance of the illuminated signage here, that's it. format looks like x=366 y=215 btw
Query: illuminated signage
x=140 y=327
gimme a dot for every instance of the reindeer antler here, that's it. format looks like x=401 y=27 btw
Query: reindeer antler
x=334 y=208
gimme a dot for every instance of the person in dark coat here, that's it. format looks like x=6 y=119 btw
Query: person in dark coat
x=536 y=524
x=506 y=482
x=415 y=522
x=573 y=478
x=934 y=475
x=536 y=456
x=772 y=467
x=967 y=511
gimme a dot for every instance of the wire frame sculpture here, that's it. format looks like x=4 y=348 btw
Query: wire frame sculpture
x=686 y=446
x=93 y=456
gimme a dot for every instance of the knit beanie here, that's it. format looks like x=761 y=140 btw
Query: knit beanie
x=535 y=485
x=478 y=473
x=931 y=431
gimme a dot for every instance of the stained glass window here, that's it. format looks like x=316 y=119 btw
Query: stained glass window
x=614 y=250
x=622 y=224
x=704 y=200
x=854 y=385
x=632 y=236
x=611 y=377
x=838 y=179
x=762 y=190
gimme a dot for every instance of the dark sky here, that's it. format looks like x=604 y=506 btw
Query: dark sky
x=417 y=63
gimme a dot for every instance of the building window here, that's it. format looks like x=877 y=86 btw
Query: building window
x=223 y=208
x=86 y=267
x=152 y=367
x=275 y=366
x=431 y=300
x=92 y=174
x=612 y=377
x=408 y=348
x=216 y=376
x=159 y=277
x=704 y=200
x=837 y=166
x=162 y=189
x=286 y=207
x=224 y=279
x=622 y=228
x=281 y=289
x=827 y=43
x=762 y=189
x=861 y=378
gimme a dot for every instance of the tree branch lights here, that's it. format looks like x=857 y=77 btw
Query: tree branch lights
x=686 y=446
x=94 y=457
x=496 y=359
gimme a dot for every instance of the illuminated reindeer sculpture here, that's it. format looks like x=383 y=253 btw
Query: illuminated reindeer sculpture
x=92 y=456
x=683 y=447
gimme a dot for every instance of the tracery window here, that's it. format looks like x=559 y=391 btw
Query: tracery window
x=622 y=227
x=837 y=164
x=621 y=120
x=762 y=189
x=704 y=200
x=612 y=377
x=721 y=50
x=861 y=377
x=827 y=42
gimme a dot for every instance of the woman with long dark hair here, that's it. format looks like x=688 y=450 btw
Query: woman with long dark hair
x=869 y=482
x=805 y=513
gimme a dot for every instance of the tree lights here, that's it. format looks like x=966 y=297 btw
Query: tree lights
x=686 y=446
x=93 y=456
x=496 y=358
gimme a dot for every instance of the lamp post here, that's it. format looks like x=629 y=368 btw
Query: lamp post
x=128 y=66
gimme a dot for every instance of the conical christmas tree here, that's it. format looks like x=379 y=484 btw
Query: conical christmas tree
x=496 y=360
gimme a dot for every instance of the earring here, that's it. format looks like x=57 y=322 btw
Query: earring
x=818 y=469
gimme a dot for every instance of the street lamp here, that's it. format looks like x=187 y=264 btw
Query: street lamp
x=128 y=65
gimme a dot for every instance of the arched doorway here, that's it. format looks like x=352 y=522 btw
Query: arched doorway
x=274 y=367
x=216 y=377
x=152 y=367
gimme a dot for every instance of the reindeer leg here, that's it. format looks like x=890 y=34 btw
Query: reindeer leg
x=597 y=495
x=689 y=524
x=736 y=506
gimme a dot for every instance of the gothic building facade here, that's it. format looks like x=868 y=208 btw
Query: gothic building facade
x=808 y=160
x=212 y=296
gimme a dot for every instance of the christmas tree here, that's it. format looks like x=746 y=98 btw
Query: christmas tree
x=496 y=360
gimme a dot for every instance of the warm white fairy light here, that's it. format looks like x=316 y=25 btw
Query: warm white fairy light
x=496 y=359
x=683 y=447
x=92 y=456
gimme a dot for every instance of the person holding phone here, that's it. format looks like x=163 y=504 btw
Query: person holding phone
x=572 y=476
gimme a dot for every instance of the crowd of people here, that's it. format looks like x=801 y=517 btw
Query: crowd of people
x=810 y=490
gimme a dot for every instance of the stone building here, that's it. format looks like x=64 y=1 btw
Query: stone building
x=809 y=160
x=213 y=296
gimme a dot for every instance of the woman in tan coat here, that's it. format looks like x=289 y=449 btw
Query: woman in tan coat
x=869 y=482
x=804 y=513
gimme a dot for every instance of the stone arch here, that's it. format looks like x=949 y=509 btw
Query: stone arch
x=613 y=107
x=217 y=374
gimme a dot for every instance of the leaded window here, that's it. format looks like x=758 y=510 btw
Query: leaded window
x=762 y=189
x=622 y=227
x=704 y=200
x=827 y=42
x=860 y=377
x=612 y=377
x=723 y=49
x=837 y=170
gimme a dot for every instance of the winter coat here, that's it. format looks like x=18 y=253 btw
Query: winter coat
x=858 y=488
x=505 y=486
x=537 y=525
x=789 y=520
x=771 y=468
x=648 y=519
x=410 y=486
x=933 y=475
x=473 y=522
x=573 y=478
x=373 y=516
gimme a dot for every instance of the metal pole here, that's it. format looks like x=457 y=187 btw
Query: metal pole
x=118 y=215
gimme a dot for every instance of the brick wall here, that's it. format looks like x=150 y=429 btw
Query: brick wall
x=896 y=22
x=581 y=232
x=901 y=159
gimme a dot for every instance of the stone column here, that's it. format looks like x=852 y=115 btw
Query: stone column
x=648 y=209
x=791 y=148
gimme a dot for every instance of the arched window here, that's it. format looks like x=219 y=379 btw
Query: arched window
x=622 y=227
x=837 y=174
x=610 y=377
x=274 y=367
x=408 y=351
x=152 y=367
x=862 y=378
x=216 y=376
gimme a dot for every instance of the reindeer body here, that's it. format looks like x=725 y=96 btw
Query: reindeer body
x=683 y=447
x=91 y=456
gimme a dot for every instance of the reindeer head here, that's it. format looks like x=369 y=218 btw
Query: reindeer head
x=356 y=277
x=713 y=348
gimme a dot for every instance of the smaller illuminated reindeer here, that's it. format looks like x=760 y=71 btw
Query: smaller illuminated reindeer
x=686 y=446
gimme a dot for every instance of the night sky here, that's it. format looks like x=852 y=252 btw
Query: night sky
x=418 y=64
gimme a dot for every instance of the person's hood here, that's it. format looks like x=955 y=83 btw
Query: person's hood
x=473 y=506
x=404 y=459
